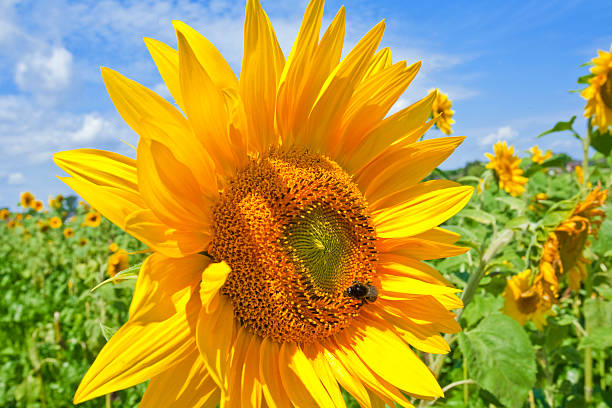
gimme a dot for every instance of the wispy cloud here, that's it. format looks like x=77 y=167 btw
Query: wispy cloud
x=503 y=133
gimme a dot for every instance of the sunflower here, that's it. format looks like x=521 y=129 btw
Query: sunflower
x=27 y=199
x=599 y=92
x=117 y=262
x=55 y=222
x=11 y=224
x=4 y=214
x=19 y=217
x=524 y=301
x=113 y=247
x=37 y=205
x=82 y=241
x=442 y=107
x=288 y=224
x=68 y=232
x=579 y=174
x=506 y=166
x=93 y=219
x=43 y=226
x=537 y=156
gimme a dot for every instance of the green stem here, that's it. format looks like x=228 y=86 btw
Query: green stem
x=108 y=400
x=602 y=370
x=586 y=144
x=466 y=392
x=588 y=368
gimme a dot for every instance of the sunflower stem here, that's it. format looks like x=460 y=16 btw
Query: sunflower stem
x=108 y=400
x=466 y=392
x=586 y=144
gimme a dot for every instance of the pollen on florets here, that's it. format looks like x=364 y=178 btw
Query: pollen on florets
x=295 y=230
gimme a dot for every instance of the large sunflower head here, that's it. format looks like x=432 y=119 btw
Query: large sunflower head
x=506 y=166
x=441 y=108
x=288 y=222
x=527 y=298
x=599 y=92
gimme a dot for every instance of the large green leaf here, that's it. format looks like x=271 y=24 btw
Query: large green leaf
x=598 y=315
x=500 y=358
x=602 y=142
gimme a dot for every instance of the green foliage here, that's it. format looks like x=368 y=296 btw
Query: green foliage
x=500 y=358
x=562 y=126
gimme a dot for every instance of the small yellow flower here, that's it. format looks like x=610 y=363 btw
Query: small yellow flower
x=27 y=199
x=538 y=157
x=117 y=262
x=55 y=222
x=506 y=166
x=442 y=106
x=113 y=247
x=19 y=217
x=70 y=284
x=524 y=302
x=11 y=224
x=85 y=206
x=43 y=226
x=83 y=241
x=541 y=196
x=93 y=219
x=4 y=214
x=599 y=92
x=579 y=174
x=37 y=205
x=68 y=232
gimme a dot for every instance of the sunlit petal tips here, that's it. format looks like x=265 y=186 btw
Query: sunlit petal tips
x=289 y=219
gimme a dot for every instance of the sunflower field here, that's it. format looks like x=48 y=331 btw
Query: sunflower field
x=295 y=244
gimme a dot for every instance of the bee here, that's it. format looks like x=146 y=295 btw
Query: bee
x=364 y=292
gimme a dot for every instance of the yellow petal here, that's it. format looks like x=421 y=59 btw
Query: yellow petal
x=205 y=107
x=398 y=286
x=348 y=381
x=272 y=386
x=167 y=61
x=371 y=102
x=139 y=351
x=421 y=249
x=262 y=64
x=187 y=384
x=147 y=228
x=215 y=334
x=440 y=235
x=164 y=282
x=394 y=264
x=213 y=278
x=317 y=358
x=418 y=309
x=411 y=193
x=390 y=130
x=170 y=189
x=208 y=56
x=237 y=358
x=297 y=71
x=99 y=167
x=114 y=203
x=404 y=167
x=251 y=381
x=381 y=60
x=421 y=213
x=389 y=357
x=323 y=123
x=300 y=379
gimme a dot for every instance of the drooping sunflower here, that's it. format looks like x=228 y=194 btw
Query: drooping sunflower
x=525 y=301
x=538 y=157
x=68 y=232
x=117 y=262
x=288 y=224
x=55 y=222
x=93 y=219
x=599 y=92
x=26 y=199
x=442 y=107
x=563 y=250
x=506 y=166
x=4 y=214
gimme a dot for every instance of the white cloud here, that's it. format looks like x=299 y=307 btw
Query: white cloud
x=93 y=124
x=44 y=71
x=15 y=179
x=503 y=133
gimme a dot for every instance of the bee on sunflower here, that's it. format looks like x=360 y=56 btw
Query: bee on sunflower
x=268 y=206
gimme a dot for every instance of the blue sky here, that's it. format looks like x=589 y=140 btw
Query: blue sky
x=507 y=66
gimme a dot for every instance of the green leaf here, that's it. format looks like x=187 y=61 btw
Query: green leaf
x=585 y=78
x=500 y=358
x=480 y=307
x=517 y=223
x=599 y=338
x=560 y=127
x=107 y=332
x=602 y=142
x=598 y=316
x=478 y=216
x=512 y=202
